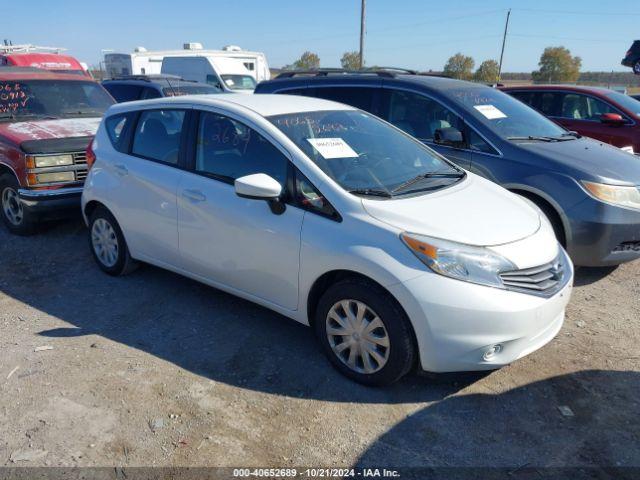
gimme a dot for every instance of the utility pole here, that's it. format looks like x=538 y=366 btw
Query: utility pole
x=504 y=40
x=362 y=16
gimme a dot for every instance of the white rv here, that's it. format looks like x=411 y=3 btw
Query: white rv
x=230 y=61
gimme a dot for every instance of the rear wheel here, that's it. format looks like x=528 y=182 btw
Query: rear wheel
x=364 y=332
x=16 y=218
x=108 y=245
x=636 y=68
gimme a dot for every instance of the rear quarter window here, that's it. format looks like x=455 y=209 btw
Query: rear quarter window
x=116 y=126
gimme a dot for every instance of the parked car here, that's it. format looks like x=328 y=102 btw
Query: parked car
x=46 y=122
x=143 y=87
x=334 y=218
x=632 y=58
x=587 y=190
x=599 y=113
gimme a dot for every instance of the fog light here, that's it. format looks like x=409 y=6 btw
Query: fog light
x=492 y=352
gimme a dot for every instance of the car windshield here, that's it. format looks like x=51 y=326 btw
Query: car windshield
x=364 y=155
x=52 y=99
x=179 y=90
x=504 y=115
x=239 y=82
x=630 y=103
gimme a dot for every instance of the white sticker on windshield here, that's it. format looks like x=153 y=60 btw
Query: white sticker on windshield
x=490 y=111
x=332 y=148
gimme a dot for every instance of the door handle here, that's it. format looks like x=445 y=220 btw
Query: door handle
x=121 y=169
x=195 y=196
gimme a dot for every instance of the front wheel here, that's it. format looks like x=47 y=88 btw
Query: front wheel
x=108 y=245
x=16 y=218
x=364 y=332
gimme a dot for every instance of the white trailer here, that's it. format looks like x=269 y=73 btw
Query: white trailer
x=144 y=62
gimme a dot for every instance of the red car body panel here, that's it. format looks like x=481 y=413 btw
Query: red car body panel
x=47 y=61
x=626 y=135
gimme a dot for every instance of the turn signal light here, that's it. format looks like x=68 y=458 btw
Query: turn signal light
x=91 y=156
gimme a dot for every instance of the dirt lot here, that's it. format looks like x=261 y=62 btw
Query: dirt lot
x=155 y=369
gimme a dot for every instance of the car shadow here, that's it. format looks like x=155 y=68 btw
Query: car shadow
x=582 y=419
x=588 y=275
x=191 y=325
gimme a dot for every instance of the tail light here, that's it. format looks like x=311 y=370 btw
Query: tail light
x=91 y=156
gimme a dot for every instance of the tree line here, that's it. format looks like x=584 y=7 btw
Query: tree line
x=556 y=65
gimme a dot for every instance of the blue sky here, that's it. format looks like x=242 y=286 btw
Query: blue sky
x=418 y=34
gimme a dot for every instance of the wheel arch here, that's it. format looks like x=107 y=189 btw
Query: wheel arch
x=548 y=205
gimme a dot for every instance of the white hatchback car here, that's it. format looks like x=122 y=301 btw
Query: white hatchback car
x=334 y=218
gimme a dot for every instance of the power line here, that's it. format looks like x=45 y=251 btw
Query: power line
x=569 y=12
x=609 y=40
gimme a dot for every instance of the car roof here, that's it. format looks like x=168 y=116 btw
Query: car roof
x=29 y=73
x=155 y=82
x=430 y=81
x=264 y=105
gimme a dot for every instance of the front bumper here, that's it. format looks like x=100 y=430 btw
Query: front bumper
x=602 y=234
x=456 y=323
x=51 y=203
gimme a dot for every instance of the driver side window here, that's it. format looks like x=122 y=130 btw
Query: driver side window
x=157 y=135
x=418 y=115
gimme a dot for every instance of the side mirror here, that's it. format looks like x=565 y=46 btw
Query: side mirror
x=450 y=136
x=260 y=186
x=612 y=119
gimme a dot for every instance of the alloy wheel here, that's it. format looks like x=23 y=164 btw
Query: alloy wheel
x=357 y=336
x=104 y=242
x=12 y=207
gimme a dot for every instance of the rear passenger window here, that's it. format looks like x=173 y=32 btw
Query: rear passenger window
x=227 y=150
x=358 y=97
x=157 y=135
x=149 y=93
x=123 y=93
x=548 y=103
x=116 y=126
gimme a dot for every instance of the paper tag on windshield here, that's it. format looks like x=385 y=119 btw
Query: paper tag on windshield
x=332 y=148
x=490 y=111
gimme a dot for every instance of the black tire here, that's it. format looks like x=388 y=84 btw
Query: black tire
x=16 y=218
x=402 y=349
x=636 y=68
x=123 y=263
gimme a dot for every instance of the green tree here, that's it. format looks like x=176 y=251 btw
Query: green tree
x=487 y=72
x=350 y=60
x=459 y=66
x=557 y=65
x=307 y=61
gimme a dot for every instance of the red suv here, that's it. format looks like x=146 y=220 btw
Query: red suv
x=599 y=113
x=46 y=122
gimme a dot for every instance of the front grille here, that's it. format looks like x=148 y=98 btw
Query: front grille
x=80 y=160
x=544 y=280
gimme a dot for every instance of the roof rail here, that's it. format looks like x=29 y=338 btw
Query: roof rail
x=149 y=77
x=388 y=72
x=27 y=47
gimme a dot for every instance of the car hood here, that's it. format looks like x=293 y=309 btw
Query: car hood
x=474 y=212
x=19 y=132
x=595 y=158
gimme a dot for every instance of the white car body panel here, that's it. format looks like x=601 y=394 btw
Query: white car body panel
x=240 y=246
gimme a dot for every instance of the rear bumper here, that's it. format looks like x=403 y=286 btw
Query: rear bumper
x=51 y=203
x=603 y=235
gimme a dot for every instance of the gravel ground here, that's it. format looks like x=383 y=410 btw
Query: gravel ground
x=157 y=370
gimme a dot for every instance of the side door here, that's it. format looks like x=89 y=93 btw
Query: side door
x=581 y=113
x=148 y=178
x=421 y=117
x=231 y=241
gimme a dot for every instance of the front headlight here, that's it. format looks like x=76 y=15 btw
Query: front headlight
x=38 y=161
x=614 y=194
x=457 y=260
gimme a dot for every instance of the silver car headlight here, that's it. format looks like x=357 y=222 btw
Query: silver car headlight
x=619 y=195
x=457 y=260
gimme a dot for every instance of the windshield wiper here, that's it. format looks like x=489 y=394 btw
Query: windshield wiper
x=16 y=116
x=535 y=137
x=82 y=112
x=371 y=192
x=423 y=176
x=571 y=134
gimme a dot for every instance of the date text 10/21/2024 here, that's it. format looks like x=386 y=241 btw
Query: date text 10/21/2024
x=316 y=472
